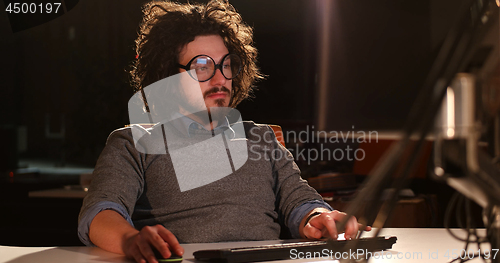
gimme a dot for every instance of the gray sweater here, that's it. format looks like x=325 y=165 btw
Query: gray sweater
x=248 y=204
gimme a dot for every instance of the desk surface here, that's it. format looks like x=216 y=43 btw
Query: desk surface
x=413 y=245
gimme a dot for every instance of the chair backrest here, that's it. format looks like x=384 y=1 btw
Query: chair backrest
x=278 y=132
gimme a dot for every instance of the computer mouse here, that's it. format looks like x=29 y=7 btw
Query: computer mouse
x=172 y=258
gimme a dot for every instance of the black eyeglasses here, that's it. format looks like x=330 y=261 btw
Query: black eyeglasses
x=204 y=67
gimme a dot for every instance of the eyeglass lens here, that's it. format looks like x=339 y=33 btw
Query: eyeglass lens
x=205 y=67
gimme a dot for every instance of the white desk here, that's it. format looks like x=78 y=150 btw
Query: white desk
x=413 y=245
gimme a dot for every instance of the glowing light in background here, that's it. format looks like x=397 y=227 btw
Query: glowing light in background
x=450 y=112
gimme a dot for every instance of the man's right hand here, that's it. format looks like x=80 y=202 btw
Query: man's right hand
x=110 y=231
x=140 y=245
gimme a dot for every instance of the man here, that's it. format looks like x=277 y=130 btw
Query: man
x=139 y=202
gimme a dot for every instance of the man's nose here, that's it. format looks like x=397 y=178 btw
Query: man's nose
x=218 y=79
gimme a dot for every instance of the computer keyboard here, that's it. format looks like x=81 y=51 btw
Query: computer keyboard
x=331 y=249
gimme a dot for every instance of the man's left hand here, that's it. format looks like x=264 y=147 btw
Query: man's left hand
x=325 y=225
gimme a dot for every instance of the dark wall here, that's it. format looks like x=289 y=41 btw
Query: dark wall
x=378 y=55
x=285 y=34
x=70 y=72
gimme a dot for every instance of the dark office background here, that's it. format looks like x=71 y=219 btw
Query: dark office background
x=64 y=86
x=70 y=73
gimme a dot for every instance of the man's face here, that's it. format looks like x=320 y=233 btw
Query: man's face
x=215 y=92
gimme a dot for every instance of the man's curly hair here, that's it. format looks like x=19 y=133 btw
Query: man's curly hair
x=167 y=27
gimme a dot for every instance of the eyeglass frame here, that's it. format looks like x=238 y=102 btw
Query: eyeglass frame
x=187 y=67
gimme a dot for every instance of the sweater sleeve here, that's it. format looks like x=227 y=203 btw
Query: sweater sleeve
x=86 y=219
x=117 y=181
x=290 y=189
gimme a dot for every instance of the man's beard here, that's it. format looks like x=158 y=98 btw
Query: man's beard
x=216 y=113
x=218 y=102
